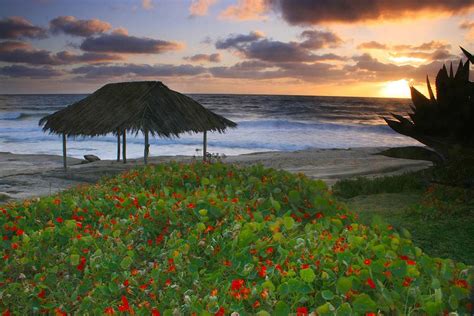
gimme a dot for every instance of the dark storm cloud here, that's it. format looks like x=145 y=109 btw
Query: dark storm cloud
x=15 y=27
x=22 y=52
x=18 y=71
x=122 y=43
x=372 y=45
x=235 y=41
x=316 y=39
x=141 y=70
x=211 y=58
x=308 y=12
x=72 y=26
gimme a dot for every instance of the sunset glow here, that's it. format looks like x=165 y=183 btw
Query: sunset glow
x=230 y=46
x=396 y=89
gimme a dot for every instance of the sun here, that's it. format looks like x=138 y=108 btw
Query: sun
x=396 y=89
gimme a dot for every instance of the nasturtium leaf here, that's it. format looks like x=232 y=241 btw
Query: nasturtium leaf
x=289 y=222
x=74 y=259
x=344 y=309
x=307 y=275
x=126 y=263
x=263 y=313
x=344 y=284
x=325 y=309
x=281 y=309
x=327 y=295
x=294 y=196
x=363 y=304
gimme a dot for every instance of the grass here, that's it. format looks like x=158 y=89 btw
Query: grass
x=440 y=218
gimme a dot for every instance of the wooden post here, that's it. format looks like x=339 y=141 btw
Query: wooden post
x=64 y=152
x=124 y=151
x=118 y=145
x=204 y=146
x=147 y=147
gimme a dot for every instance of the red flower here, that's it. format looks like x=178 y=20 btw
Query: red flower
x=126 y=283
x=269 y=250
x=411 y=262
x=370 y=314
x=155 y=312
x=301 y=311
x=42 y=294
x=461 y=283
x=304 y=266
x=237 y=284
x=220 y=312
x=82 y=264
x=14 y=245
x=191 y=205
x=125 y=307
x=262 y=271
x=109 y=311
x=235 y=200
x=59 y=312
x=57 y=201
x=371 y=283
x=6 y=313
x=256 y=304
x=407 y=282
x=367 y=262
x=20 y=232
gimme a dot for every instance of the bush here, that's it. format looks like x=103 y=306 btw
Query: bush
x=214 y=239
x=408 y=182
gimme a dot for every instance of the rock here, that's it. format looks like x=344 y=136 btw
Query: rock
x=91 y=158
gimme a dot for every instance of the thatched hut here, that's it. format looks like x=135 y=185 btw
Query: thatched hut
x=149 y=107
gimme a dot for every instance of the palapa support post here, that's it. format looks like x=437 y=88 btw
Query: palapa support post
x=147 y=147
x=204 y=146
x=118 y=145
x=124 y=151
x=64 y=152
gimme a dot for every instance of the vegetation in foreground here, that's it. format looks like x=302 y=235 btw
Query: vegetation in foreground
x=211 y=240
x=435 y=205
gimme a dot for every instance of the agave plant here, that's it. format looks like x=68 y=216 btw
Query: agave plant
x=444 y=123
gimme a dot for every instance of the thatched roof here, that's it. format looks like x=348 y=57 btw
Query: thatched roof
x=134 y=106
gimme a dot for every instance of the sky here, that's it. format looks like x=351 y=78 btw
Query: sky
x=372 y=48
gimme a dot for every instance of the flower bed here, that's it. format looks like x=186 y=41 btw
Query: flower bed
x=213 y=240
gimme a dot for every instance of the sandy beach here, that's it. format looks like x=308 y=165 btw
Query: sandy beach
x=28 y=176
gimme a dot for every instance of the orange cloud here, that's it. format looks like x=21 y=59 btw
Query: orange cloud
x=200 y=7
x=246 y=10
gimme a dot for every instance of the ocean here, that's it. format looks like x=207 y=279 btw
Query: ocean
x=265 y=123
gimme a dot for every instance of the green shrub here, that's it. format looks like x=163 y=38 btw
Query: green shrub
x=214 y=239
x=408 y=182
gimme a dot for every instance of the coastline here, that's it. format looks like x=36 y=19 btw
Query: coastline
x=30 y=176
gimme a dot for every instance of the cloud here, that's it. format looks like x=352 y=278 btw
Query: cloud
x=467 y=25
x=121 y=43
x=372 y=45
x=72 y=26
x=16 y=27
x=147 y=4
x=200 y=7
x=368 y=68
x=311 y=12
x=432 y=45
x=211 y=58
x=22 y=52
x=246 y=10
x=234 y=41
x=18 y=71
x=255 y=46
x=138 y=70
x=439 y=54
x=320 y=39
